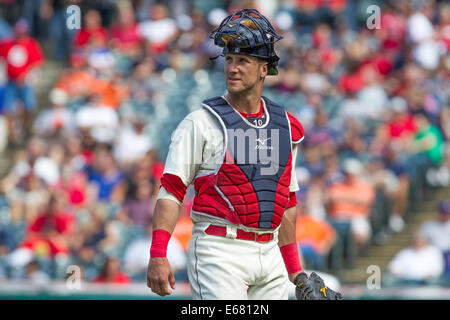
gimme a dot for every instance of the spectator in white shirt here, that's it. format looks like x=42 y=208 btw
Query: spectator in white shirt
x=438 y=231
x=57 y=118
x=422 y=34
x=132 y=143
x=417 y=264
x=159 y=30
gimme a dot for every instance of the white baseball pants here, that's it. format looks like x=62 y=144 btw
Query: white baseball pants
x=223 y=268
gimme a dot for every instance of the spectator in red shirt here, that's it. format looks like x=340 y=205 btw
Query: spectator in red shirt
x=92 y=33
x=22 y=54
x=53 y=227
x=401 y=126
x=111 y=272
x=392 y=33
x=322 y=40
x=125 y=36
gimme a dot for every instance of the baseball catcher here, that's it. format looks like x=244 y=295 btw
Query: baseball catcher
x=238 y=150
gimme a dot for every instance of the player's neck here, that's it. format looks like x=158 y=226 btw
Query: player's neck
x=249 y=104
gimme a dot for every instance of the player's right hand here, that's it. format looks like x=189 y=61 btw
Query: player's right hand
x=159 y=275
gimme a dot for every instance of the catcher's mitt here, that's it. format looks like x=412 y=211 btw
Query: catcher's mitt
x=313 y=288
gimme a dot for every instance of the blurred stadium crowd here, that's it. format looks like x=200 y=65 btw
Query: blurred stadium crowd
x=374 y=104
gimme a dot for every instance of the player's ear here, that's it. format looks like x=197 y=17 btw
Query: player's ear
x=264 y=68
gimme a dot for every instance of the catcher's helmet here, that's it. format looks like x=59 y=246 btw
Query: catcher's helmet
x=248 y=32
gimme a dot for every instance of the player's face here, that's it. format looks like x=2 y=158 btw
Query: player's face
x=243 y=73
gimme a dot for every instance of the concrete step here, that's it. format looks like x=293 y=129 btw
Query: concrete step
x=5 y=163
x=422 y=214
x=49 y=74
x=384 y=251
x=354 y=276
x=382 y=262
x=402 y=238
x=441 y=194
x=431 y=205
x=416 y=224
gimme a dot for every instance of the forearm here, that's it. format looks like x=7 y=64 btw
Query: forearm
x=287 y=243
x=166 y=214
x=165 y=218
x=287 y=228
x=159 y=272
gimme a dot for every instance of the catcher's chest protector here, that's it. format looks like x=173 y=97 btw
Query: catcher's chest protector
x=251 y=187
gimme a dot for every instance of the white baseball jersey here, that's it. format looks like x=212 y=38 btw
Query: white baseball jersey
x=196 y=150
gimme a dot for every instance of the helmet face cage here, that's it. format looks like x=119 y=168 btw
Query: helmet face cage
x=248 y=32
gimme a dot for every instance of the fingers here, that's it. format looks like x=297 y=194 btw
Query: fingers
x=159 y=277
x=172 y=280
x=160 y=286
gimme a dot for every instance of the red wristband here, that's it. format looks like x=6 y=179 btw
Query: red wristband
x=160 y=240
x=291 y=259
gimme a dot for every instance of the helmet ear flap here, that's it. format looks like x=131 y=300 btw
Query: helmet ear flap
x=219 y=42
x=273 y=71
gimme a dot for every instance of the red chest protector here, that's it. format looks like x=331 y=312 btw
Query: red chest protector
x=251 y=187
